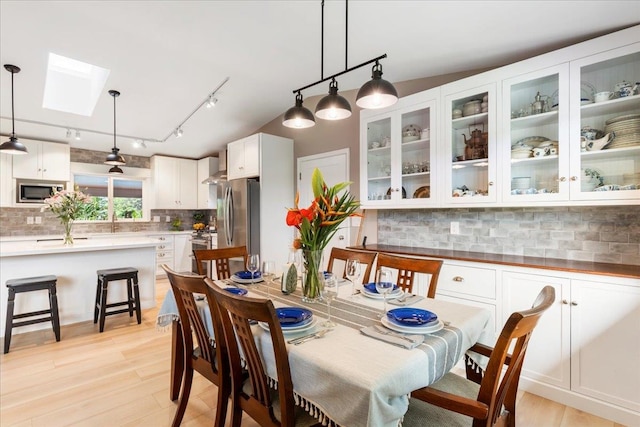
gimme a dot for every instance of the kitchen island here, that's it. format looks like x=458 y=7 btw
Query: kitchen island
x=75 y=266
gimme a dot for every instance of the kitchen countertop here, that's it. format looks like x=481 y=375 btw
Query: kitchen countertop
x=587 y=267
x=32 y=247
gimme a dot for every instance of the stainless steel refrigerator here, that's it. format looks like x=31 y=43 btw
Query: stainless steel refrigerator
x=239 y=216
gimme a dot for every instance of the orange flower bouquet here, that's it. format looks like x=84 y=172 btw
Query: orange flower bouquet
x=317 y=224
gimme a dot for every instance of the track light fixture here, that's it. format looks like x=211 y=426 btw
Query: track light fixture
x=139 y=143
x=178 y=133
x=298 y=116
x=68 y=133
x=377 y=93
x=212 y=101
x=77 y=135
x=114 y=158
x=12 y=146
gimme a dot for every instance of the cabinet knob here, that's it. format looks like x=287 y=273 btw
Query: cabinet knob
x=160 y=255
x=161 y=247
x=490 y=183
x=574 y=303
x=565 y=302
x=340 y=237
x=241 y=167
x=161 y=238
x=396 y=189
x=44 y=170
x=574 y=178
x=562 y=179
x=458 y=279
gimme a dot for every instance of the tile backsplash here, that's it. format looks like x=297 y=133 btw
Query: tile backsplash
x=591 y=233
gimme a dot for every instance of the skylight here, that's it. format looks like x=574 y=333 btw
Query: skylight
x=73 y=86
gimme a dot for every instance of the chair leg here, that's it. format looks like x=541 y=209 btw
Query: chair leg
x=9 y=324
x=236 y=414
x=136 y=294
x=184 y=397
x=177 y=360
x=130 y=296
x=53 y=305
x=103 y=303
x=96 y=310
x=224 y=390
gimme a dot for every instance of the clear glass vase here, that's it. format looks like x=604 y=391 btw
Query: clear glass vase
x=68 y=238
x=311 y=281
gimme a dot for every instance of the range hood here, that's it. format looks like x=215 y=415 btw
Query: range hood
x=221 y=175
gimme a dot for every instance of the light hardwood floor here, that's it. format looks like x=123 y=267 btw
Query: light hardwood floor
x=121 y=378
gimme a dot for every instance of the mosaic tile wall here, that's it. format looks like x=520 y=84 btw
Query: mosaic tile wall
x=602 y=234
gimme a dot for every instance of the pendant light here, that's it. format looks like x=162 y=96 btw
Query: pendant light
x=377 y=92
x=114 y=158
x=333 y=106
x=115 y=170
x=12 y=146
x=298 y=117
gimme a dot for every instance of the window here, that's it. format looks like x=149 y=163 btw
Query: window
x=109 y=195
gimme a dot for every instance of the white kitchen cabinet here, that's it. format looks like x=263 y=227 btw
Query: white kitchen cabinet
x=535 y=136
x=174 y=182
x=399 y=152
x=587 y=343
x=44 y=160
x=207 y=197
x=182 y=253
x=244 y=158
x=164 y=252
x=7 y=188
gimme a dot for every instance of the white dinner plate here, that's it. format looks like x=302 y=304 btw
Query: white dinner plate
x=293 y=330
x=395 y=294
x=246 y=281
x=429 y=329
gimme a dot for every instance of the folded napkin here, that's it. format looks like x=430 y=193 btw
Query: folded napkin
x=412 y=299
x=391 y=337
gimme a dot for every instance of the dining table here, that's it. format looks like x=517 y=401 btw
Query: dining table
x=359 y=373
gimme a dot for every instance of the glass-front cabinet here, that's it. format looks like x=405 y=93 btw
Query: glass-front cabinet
x=535 y=136
x=399 y=143
x=605 y=128
x=470 y=157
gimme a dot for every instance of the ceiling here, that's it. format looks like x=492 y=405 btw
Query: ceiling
x=165 y=57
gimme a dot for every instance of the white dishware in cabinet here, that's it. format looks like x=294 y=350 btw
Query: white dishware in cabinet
x=535 y=135
x=613 y=172
x=469 y=158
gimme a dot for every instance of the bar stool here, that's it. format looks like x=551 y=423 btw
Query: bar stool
x=30 y=284
x=133 y=294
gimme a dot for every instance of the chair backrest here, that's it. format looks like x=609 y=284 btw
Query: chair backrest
x=220 y=258
x=497 y=388
x=241 y=311
x=407 y=267
x=184 y=287
x=367 y=258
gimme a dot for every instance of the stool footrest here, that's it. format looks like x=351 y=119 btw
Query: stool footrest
x=109 y=313
x=118 y=304
x=33 y=313
x=32 y=322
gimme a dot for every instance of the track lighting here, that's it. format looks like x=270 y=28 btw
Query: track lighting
x=12 y=146
x=212 y=101
x=377 y=92
x=139 y=143
x=114 y=158
x=333 y=106
x=77 y=135
x=68 y=133
x=298 y=117
x=178 y=133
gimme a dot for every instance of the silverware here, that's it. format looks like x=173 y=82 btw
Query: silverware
x=304 y=338
x=384 y=331
x=320 y=334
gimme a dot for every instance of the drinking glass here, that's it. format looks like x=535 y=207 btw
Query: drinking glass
x=384 y=285
x=329 y=292
x=352 y=271
x=253 y=265
x=268 y=273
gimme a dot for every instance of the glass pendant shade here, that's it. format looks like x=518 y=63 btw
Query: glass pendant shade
x=333 y=106
x=12 y=146
x=115 y=170
x=377 y=92
x=115 y=158
x=298 y=117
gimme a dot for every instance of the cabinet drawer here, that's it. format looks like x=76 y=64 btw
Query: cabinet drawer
x=473 y=281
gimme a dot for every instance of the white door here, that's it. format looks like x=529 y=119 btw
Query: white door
x=334 y=166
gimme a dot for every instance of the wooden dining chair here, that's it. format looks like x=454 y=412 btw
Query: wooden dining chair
x=367 y=258
x=207 y=358
x=266 y=405
x=220 y=258
x=408 y=267
x=486 y=397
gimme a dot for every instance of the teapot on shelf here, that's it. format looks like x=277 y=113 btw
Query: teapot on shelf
x=475 y=144
x=540 y=104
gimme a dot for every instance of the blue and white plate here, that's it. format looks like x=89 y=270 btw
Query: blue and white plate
x=425 y=329
x=292 y=316
x=305 y=327
x=246 y=275
x=237 y=291
x=412 y=317
x=369 y=290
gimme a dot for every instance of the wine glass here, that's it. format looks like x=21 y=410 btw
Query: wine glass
x=253 y=265
x=352 y=271
x=329 y=292
x=268 y=273
x=384 y=285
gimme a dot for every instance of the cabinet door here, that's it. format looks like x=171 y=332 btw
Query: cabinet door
x=252 y=156
x=28 y=166
x=165 y=182
x=469 y=158
x=548 y=354
x=182 y=252
x=376 y=162
x=612 y=171
x=56 y=162
x=535 y=138
x=605 y=335
x=235 y=159
x=187 y=184
x=7 y=188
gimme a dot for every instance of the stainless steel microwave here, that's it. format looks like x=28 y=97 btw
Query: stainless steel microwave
x=36 y=192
